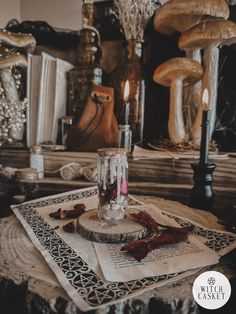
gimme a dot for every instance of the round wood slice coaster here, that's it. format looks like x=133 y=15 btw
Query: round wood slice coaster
x=92 y=229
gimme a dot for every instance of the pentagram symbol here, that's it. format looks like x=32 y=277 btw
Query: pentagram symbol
x=211 y=281
x=85 y=280
x=130 y=285
x=101 y=296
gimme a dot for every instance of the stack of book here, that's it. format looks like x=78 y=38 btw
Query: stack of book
x=47 y=94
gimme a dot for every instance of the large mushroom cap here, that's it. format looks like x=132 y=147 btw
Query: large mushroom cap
x=180 y=15
x=13 y=59
x=24 y=41
x=205 y=34
x=185 y=69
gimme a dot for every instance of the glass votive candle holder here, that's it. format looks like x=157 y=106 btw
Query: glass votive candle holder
x=27 y=180
x=112 y=168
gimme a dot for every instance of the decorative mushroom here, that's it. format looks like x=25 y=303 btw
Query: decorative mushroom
x=8 y=82
x=176 y=73
x=26 y=42
x=181 y=15
x=10 y=102
x=208 y=35
x=9 y=43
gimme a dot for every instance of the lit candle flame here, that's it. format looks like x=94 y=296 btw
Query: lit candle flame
x=126 y=91
x=205 y=99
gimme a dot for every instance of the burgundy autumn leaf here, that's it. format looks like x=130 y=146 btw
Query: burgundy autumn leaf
x=77 y=211
x=146 y=220
x=79 y=206
x=108 y=194
x=70 y=227
x=167 y=238
x=56 y=214
x=139 y=249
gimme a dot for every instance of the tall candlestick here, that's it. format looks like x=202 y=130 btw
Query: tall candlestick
x=202 y=194
x=204 y=148
x=127 y=109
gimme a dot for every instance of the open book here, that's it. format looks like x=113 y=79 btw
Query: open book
x=46 y=92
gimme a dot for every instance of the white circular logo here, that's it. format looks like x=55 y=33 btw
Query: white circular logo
x=211 y=290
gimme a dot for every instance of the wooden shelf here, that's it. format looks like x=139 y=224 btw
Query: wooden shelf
x=153 y=170
x=167 y=178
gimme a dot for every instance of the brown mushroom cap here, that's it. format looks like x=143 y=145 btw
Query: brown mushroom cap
x=180 y=15
x=185 y=69
x=18 y=40
x=205 y=34
x=13 y=59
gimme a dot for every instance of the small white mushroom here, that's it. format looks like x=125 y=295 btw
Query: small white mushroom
x=176 y=73
x=209 y=36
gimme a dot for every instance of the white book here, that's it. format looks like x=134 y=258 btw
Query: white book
x=33 y=88
x=47 y=94
x=62 y=67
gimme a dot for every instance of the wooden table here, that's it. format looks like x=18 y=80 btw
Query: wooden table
x=27 y=285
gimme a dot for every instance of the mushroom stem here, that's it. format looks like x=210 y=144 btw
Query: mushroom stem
x=12 y=96
x=176 y=122
x=9 y=85
x=192 y=95
x=195 y=54
x=209 y=81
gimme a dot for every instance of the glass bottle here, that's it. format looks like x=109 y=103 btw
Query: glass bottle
x=37 y=160
x=125 y=137
x=133 y=71
x=27 y=180
x=112 y=167
x=87 y=71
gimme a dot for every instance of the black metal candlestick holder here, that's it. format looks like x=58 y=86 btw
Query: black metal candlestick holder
x=202 y=195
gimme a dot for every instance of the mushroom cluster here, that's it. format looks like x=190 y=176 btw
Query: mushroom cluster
x=203 y=26
x=13 y=48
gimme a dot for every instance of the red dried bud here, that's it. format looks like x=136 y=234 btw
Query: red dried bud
x=70 y=227
x=78 y=210
x=56 y=214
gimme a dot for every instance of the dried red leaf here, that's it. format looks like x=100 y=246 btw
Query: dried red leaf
x=139 y=249
x=78 y=210
x=79 y=206
x=146 y=220
x=70 y=227
x=56 y=214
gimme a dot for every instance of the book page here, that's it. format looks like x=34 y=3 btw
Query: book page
x=117 y=265
x=60 y=98
x=33 y=87
x=50 y=74
x=42 y=97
